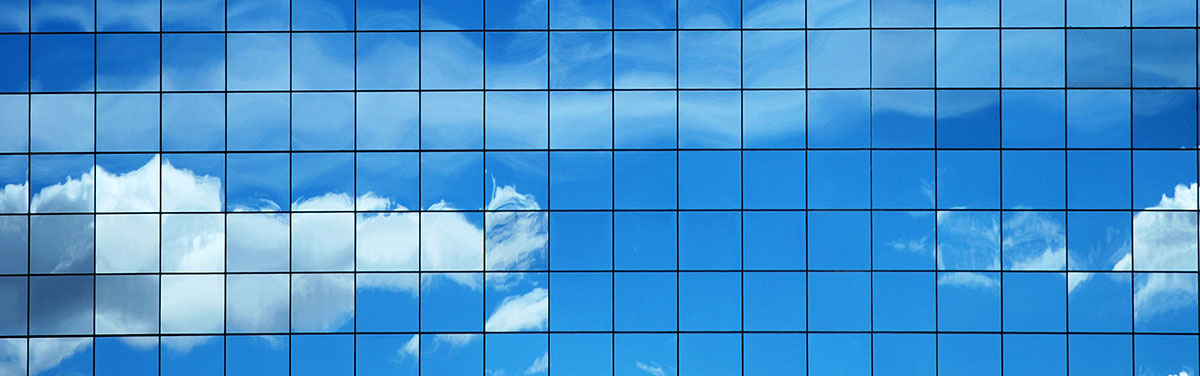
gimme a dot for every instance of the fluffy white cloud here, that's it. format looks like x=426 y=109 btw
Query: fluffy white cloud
x=521 y=312
x=193 y=303
x=1164 y=240
x=47 y=353
x=196 y=243
x=13 y=356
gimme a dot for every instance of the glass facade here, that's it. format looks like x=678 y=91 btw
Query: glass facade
x=599 y=187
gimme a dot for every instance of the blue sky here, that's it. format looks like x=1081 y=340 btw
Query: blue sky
x=1037 y=213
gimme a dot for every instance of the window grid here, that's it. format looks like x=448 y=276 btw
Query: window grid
x=1133 y=272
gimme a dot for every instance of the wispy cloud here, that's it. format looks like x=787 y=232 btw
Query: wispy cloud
x=651 y=368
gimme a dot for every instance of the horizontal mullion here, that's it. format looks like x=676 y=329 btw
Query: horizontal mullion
x=601 y=30
x=931 y=332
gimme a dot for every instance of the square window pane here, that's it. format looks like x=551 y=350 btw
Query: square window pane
x=968 y=118
x=839 y=301
x=709 y=179
x=968 y=302
x=710 y=119
x=517 y=60
x=902 y=13
x=451 y=120
x=452 y=241
x=645 y=301
x=194 y=242
x=642 y=14
x=581 y=241
x=258 y=242
x=258 y=15
x=968 y=179
x=127 y=122
x=387 y=181
x=838 y=59
x=568 y=14
x=580 y=60
x=1098 y=57
x=62 y=122
x=62 y=62
x=903 y=240
x=322 y=303
x=771 y=181
x=193 y=122
x=259 y=61
x=645 y=179
x=581 y=180
x=127 y=243
x=968 y=240
x=1098 y=118
x=257 y=303
x=645 y=119
x=62 y=243
x=839 y=119
x=1033 y=354
x=709 y=59
x=772 y=59
x=773 y=301
x=968 y=13
x=581 y=301
x=322 y=121
x=379 y=55
x=323 y=14
x=455 y=60
x=451 y=15
x=581 y=120
x=452 y=302
x=902 y=179
x=902 y=118
x=839 y=179
x=516 y=120
x=128 y=62
x=387 y=120
x=127 y=304
x=1098 y=13
x=1100 y=302
x=1033 y=118
x=709 y=240
x=193 y=304
x=1164 y=118
x=1035 y=179
x=258 y=121
x=387 y=302
x=838 y=13
x=645 y=240
x=774 y=240
x=14 y=123
x=258 y=182
x=904 y=301
x=1032 y=13
x=1035 y=302
x=1100 y=353
x=969 y=353
x=839 y=240
x=968 y=58
x=839 y=353
x=902 y=58
x=645 y=59
x=1033 y=58
x=193 y=15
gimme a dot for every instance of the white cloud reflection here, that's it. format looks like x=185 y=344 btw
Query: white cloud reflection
x=196 y=242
